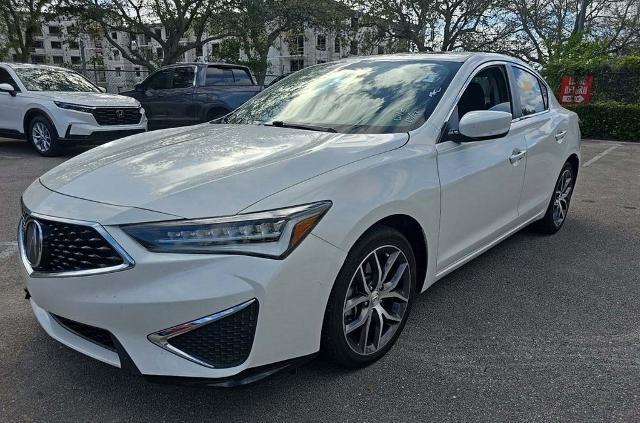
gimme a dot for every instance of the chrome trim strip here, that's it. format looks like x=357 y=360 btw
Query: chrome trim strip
x=128 y=260
x=162 y=337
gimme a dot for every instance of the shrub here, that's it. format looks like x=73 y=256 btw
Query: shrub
x=609 y=120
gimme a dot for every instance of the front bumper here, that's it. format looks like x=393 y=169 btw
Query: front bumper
x=75 y=126
x=164 y=290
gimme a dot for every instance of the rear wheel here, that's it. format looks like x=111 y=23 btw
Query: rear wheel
x=370 y=300
x=558 y=207
x=43 y=137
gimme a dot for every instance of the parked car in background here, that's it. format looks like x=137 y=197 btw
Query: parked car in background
x=308 y=219
x=190 y=93
x=53 y=107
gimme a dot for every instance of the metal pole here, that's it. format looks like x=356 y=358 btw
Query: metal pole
x=82 y=58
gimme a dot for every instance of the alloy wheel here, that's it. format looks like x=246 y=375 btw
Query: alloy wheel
x=562 y=195
x=41 y=136
x=376 y=300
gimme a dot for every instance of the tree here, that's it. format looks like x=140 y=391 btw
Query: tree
x=257 y=24
x=440 y=25
x=184 y=23
x=22 y=19
x=552 y=29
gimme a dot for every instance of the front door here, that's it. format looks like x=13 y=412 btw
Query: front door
x=481 y=181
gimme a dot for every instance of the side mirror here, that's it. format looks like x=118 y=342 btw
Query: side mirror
x=8 y=88
x=484 y=124
x=102 y=89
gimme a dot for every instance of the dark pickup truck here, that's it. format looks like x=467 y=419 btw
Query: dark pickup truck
x=190 y=93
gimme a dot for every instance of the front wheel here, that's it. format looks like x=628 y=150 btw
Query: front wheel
x=43 y=137
x=371 y=298
x=558 y=207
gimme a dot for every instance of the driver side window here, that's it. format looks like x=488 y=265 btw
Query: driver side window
x=159 y=81
x=488 y=90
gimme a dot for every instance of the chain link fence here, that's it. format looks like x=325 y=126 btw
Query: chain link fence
x=115 y=80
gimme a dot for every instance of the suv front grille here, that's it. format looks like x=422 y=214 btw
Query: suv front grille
x=68 y=247
x=96 y=335
x=117 y=116
x=223 y=343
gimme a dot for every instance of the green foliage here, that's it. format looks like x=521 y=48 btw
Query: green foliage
x=609 y=120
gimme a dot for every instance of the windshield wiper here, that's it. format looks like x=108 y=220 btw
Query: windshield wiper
x=281 y=124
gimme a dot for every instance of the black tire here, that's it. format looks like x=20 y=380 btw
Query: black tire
x=550 y=223
x=38 y=129
x=336 y=345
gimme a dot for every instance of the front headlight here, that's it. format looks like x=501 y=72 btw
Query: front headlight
x=273 y=233
x=76 y=107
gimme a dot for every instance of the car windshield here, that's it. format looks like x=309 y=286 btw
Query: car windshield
x=369 y=96
x=47 y=79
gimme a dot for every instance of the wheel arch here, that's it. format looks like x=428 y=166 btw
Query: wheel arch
x=411 y=229
x=575 y=162
x=33 y=112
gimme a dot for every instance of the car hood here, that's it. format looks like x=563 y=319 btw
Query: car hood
x=88 y=99
x=209 y=170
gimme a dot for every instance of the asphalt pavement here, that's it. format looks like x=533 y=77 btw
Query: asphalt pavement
x=539 y=328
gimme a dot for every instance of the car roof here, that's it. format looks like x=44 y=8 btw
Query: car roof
x=34 y=66
x=221 y=64
x=462 y=56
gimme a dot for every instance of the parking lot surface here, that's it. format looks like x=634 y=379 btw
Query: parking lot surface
x=538 y=328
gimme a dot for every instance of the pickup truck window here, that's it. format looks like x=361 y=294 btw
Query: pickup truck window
x=159 y=80
x=183 y=77
x=219 y=76
x=242 y=77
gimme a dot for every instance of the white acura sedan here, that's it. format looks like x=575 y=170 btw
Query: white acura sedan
x=306 y=221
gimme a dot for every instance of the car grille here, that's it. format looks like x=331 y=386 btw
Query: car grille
x=117 y=116
x=69 y=247
x=96 y=335
x=223 y=343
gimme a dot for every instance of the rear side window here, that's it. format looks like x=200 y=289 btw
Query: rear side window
x=242 y=77
x=530 y=92
x=219 y=76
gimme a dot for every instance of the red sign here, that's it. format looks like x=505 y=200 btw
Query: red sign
x=575 y=90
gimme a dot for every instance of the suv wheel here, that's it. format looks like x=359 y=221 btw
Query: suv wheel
x=371 y=298
x=43 y=137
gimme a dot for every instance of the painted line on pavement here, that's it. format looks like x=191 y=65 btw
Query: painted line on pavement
x=601 y=155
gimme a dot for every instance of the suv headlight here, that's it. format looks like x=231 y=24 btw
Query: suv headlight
x=76 y=107
x=273 y=233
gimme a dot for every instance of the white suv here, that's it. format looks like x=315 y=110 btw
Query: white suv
x=53 y=107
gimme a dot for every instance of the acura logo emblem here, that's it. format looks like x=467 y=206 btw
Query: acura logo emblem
x=120 y=114
x=33 y=242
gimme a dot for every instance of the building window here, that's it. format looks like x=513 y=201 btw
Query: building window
x=296 y=65
x=102 y=76
x=37 y=58
x=37 y=44
x=198 y=51
x=147 y=39
x=116 y=54
x=159 y=32
x=380 y=49
x=300 y=44
x=73 y=45
x=336 y=46
x=75 y=60
x=321 y=42
x=160 y=52
x=137 y=69
x=57 y=60
x=114 y=35
x=54 y=30
x=56 y=45
x=354 y=48
x=215 y=50
x=118 y=69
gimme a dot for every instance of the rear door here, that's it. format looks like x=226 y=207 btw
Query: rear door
x=544 y=133
x=481 y=181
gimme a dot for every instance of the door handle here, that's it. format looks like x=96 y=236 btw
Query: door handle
x=560 y=135
x=517 y=155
